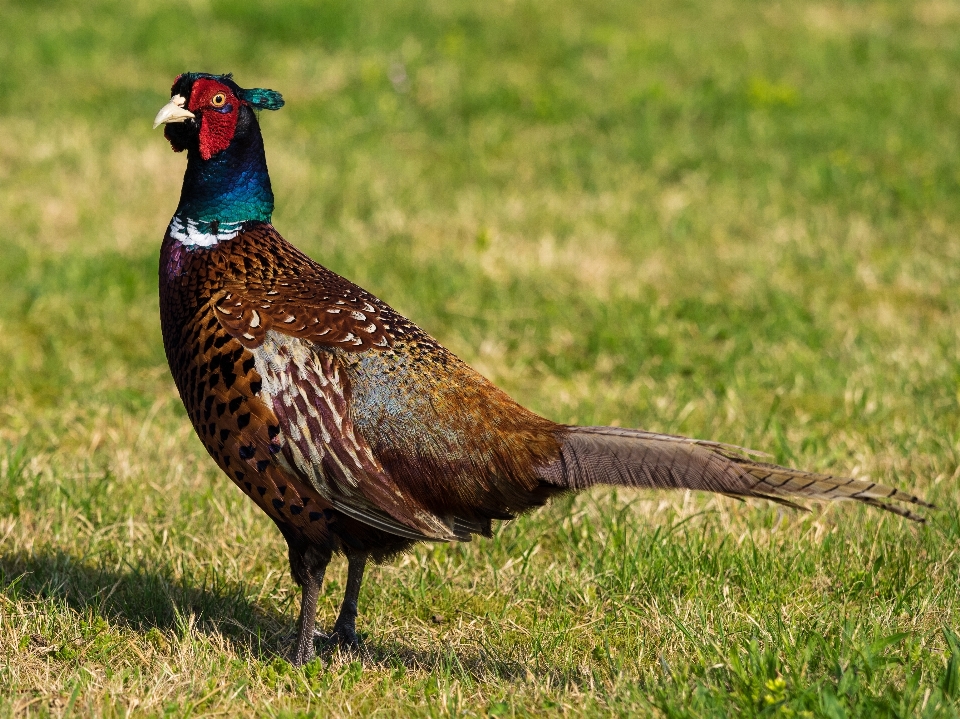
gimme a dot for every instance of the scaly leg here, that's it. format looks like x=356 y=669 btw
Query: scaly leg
x=308 y=567
x=345 y=628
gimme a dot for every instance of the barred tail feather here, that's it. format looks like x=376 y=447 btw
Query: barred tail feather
x=635 y=458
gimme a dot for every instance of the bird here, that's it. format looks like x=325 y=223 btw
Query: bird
x=353 y=429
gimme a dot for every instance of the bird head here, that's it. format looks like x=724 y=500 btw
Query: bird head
x=206 y=112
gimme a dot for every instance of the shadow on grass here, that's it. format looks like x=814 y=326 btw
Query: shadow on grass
x=475 y=663
x=143 y=598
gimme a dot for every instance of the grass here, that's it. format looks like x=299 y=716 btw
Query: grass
x=726 y=219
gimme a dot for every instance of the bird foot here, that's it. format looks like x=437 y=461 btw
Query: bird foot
x=300 y=655
x=344 y=635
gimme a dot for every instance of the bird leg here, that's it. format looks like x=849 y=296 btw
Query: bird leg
x=308 y=567
x=345 y=628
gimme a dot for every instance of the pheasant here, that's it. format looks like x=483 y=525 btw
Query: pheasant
x=354 y=430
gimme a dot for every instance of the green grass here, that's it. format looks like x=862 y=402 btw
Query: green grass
x=729 y=219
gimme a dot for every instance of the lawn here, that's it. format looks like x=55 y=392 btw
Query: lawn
x=727 y=219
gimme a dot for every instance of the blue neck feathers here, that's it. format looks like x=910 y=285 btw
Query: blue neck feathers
x=222 y=193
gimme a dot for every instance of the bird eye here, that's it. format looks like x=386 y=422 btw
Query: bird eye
x=218 y=100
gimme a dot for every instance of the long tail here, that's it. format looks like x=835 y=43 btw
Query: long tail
x=634 y=458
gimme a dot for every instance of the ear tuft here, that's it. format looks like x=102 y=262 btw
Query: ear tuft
x=261 y=98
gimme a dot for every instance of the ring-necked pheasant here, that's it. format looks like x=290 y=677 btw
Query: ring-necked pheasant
x=354 y=430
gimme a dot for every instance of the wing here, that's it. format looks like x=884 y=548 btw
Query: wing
x=310 y=396
x=302 y=322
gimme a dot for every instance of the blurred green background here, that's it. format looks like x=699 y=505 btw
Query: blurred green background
x=730 y=219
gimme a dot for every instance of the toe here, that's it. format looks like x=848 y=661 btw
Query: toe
x=345 y=636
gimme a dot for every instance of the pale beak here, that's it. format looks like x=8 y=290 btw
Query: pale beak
x=173 y=111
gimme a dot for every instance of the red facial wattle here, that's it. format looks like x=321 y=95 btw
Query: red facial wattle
x=217 y=107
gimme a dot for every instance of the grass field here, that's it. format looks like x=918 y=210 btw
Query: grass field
x=728 y=219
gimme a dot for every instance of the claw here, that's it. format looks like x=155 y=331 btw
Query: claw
x=345 y=635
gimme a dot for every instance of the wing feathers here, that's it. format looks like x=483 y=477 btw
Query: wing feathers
x=310 y=397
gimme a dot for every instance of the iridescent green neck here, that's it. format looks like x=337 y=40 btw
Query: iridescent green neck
x=230 y=188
